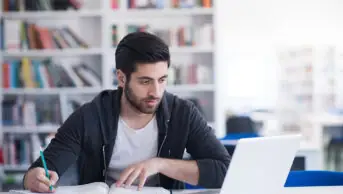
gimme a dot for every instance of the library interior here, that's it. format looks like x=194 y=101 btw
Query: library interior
x=253 y=69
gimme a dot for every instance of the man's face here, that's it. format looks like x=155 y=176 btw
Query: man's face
x=146 y=86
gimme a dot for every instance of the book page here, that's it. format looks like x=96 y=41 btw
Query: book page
x=91 y=188
x=133 y=190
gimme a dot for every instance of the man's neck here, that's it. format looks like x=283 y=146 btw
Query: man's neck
x=133 y=117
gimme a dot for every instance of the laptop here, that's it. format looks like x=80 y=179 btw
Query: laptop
x=259 y=165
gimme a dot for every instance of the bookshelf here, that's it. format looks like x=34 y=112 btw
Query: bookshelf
x=310 y=93
x=85 y=64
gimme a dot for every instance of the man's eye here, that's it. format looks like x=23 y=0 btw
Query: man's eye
x=162 y=79
x=145 y=82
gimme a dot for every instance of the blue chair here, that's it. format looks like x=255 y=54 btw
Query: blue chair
x=188 y=186
x=237 y=136
x=230 y=147
x=314 y=178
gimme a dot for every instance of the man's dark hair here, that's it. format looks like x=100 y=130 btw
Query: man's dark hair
x=140 y=47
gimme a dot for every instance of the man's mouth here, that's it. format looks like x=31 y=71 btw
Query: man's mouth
x=151 y=102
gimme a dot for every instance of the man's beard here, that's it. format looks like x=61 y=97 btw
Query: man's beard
x=139 y=104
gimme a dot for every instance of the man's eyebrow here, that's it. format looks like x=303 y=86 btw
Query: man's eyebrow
x=145 y=77
x=150 y=78
x=164 y=76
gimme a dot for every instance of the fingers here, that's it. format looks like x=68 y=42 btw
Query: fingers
x=43 y=179
x=133 y=176
x=142 y=179
x=53 y=177
x=36 y=180
x=41 y=187
x=130 y=175
x=124 y=176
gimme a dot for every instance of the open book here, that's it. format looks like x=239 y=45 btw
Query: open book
x=100 y=188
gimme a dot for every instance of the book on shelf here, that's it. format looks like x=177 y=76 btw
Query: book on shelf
x=48 y=73
x=39 y=5
x=181 y=36
x=74 y=102
x=23 y=149
x=183 y=74
x=27 y=112
x=17 y=150
x=308 y=75
x=22 y=118
x=2 y=41
x=114 y=77
x=115 y=37
x=114 y=4
x=101 y=188
x=21 y=35
x=160 y=4
x=145 y=4
x=191 y=3
x=188 y=74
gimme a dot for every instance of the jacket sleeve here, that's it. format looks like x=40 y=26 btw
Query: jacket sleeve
x=210 y=154
x=65 y=147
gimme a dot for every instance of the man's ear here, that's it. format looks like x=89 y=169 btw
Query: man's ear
x=121 y=78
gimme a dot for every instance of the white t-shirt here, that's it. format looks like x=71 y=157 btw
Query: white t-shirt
x=133 y=146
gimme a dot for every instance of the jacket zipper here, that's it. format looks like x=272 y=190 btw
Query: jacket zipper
x=159 y=151
x=104 y=172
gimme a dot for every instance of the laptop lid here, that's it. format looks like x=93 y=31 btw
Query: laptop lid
x=260 y=165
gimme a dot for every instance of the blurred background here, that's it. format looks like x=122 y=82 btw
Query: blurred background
x=253 y=68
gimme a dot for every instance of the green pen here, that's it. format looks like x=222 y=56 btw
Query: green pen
x=45 y=167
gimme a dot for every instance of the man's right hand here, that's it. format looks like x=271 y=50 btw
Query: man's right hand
x=36 y=181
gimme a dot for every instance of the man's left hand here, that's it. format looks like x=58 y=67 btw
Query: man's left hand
x=140 y=170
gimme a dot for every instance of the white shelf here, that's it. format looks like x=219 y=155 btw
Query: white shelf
x=263 y=116
x=195 y=49
x=187 y=88
x=50 y=91
x=188 y=50
x=167 y=12
x=18 y=167
x=326 y=119
x=48 y=53
x=191 y=88
x=97 y=13
x=30 y=129
x=51 y=14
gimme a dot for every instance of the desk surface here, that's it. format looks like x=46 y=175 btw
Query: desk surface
x=293 y=190
x=289 y=190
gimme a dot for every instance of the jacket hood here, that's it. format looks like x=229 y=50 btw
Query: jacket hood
x=107 y=104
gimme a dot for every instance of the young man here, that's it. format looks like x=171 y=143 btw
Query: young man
x=137 y=134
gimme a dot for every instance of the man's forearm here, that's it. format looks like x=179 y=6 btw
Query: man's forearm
x=182 y=170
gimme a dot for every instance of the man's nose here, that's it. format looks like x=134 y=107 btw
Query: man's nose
x=154 y=90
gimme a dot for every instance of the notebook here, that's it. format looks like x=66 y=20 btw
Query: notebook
x=100 y=188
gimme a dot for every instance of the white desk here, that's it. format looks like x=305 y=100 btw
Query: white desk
x=292 y=190
x=288 y=190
